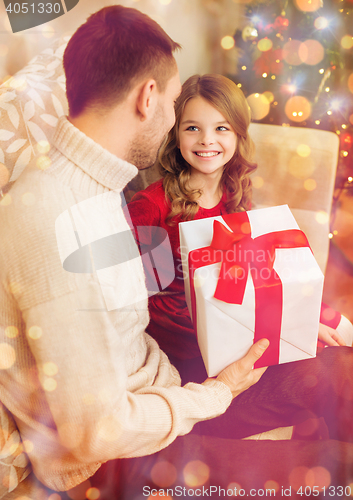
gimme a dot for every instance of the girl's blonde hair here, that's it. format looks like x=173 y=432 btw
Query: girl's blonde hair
x=230 y=101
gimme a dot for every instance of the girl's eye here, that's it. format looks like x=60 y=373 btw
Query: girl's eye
x=222 y=128
x=192 y=128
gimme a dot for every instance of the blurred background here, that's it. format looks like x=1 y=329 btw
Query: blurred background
x=293 y=60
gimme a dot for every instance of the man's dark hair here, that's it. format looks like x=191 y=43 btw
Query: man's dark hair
x=115 y=49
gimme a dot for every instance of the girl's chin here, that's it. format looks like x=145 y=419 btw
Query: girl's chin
x=206 y=171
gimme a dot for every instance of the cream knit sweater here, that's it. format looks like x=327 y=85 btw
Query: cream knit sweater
x=84 y=381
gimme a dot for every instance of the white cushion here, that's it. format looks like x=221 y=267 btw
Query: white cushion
x=31 y=103
x=14 y=465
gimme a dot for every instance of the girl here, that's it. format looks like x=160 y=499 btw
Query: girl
x=206 y=164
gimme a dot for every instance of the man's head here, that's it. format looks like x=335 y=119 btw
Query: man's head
x=111 y=53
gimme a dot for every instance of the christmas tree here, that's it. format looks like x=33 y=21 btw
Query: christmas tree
x=296 y=68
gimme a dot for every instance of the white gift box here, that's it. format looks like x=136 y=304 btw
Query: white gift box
x=226 y=330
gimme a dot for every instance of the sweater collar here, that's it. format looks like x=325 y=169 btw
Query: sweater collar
x=104 y=167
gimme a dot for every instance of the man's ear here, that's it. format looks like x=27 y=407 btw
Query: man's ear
x=146 y=99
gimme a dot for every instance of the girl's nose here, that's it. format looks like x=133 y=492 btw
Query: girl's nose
x=206 y=139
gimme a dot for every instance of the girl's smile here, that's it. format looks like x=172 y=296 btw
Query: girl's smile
x=206 y=139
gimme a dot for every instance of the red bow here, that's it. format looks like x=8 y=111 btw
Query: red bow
x=239 y=252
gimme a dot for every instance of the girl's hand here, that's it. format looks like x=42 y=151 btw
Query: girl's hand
x=329 y=336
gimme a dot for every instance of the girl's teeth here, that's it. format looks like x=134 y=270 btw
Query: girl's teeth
x=207 y=154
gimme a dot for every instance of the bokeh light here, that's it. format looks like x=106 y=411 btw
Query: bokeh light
x=71 y=435
x=4 y=175
x=54 y=496
x=311 y=52
x=351 y=487
x=163 y=474
x=269 y=96
x=271 y=485
x=11 y=332
x=50 y=369
x=235 y=487
x=43 y=147
x=15 y=288
x=290 y=88
x=196 y=473
x=109 y=428
x=303 y=150
x=35 y=332
x=79 y=491
x=298 y=108
x=328 y=314
x=336 y=104
x=6 y=200
x=7 y=356
x=347 y=42
x=227 y=42
x=318 y=476
x=245 y=228
x=308 y=5
x=310 y=184
x=322 y=217
x=28 y=199
x=290 y=52
x=264 y=44
x=88 y=399
x=257 y=182
x=93 y=494
x=43 y=162
x=301 y=168
x=321 y=23
x=350 y=87
x=259 y=106
x=49 y=384
x=297 y=477
x=18 y=82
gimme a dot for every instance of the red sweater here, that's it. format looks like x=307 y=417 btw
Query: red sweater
x=170 y=322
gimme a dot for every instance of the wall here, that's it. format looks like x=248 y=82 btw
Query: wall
x=198 y=25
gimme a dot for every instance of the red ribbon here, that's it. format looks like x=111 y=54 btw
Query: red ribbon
x=239 y=253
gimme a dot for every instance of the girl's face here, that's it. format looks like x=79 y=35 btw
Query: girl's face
x=206 y=140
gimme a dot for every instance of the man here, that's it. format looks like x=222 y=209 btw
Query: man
x=87 y=385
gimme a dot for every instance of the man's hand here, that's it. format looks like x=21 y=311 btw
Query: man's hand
x=240 y=375
x=329 y=336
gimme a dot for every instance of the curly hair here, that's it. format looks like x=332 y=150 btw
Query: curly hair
x=230 y=101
